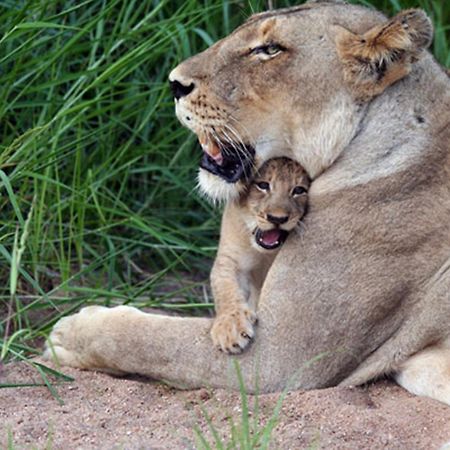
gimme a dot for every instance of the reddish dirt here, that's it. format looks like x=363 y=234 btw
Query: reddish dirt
x=102 y=412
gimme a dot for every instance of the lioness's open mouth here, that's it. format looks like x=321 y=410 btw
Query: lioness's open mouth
x=271 y=239
x=229 y=161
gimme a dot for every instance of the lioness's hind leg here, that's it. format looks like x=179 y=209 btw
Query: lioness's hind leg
x=427 y=373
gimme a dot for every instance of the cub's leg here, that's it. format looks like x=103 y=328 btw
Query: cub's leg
x=233 y=327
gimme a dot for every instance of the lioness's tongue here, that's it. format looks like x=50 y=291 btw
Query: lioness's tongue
x=270 y=237
x=210 y=147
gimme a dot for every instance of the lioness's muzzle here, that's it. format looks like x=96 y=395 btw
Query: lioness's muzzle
x=233 y=168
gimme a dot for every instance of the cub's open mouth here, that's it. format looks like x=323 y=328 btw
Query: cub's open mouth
x=271 y=239
x=229 y=161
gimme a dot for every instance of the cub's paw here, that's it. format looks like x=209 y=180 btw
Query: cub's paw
x=233 y=330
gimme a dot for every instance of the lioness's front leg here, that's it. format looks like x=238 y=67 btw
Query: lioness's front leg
x=233 y=327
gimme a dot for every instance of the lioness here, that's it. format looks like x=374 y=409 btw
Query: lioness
x=357 y=100
x=254 y=227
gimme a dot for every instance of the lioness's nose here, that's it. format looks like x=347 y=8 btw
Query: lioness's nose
x=277 y=220
x=181 y=90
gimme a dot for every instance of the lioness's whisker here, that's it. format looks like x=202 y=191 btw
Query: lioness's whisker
x=237 y=134
x=230 y=141
x=243 y=147
x=245 y=151
x=239 y=147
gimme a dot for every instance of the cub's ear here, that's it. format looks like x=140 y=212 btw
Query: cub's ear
x=378 y=58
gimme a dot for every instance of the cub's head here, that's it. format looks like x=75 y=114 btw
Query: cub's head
x=275 y=201
x=294 y=83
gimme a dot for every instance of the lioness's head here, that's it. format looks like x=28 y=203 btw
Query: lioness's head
x=293 y=82
x=275 y=201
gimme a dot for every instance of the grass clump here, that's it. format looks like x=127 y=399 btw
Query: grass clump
x=245 y=431
x=97 y=185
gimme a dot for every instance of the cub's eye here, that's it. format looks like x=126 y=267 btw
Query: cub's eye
x=263 y=186
x=298 y=190
x=268 y=50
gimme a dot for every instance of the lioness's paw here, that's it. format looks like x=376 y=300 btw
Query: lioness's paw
x=233 y=330
x=66 y=343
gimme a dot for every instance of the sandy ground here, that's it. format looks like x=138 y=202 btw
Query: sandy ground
x=102 y=412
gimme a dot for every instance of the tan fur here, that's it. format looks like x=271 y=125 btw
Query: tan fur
x=427 y=372
x=374 y=60
x=241 y=265
x=367 y=285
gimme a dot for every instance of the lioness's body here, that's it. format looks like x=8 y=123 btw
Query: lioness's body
x=368 y=115
x=271 y=206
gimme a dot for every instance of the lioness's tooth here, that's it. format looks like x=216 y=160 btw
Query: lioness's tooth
x=210 y=147
x=215 y=152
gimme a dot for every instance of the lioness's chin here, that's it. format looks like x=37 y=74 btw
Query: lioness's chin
x=217 y=189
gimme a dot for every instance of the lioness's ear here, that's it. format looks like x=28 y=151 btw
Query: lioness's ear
x=374 y=60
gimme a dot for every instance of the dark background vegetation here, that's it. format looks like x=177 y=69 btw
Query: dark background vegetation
x=98 y=201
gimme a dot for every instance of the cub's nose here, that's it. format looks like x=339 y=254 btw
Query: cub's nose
x=277 y=220
x=180 y=90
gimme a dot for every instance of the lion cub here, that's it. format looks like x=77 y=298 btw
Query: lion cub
x=253 y=228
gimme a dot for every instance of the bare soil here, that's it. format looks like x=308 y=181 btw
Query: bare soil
x=102 y=412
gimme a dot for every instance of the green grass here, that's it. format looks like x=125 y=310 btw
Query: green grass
x=250 y=429
x=245 y=430
x=98 y=200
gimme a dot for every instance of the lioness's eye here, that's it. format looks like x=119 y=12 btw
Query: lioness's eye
x=298 y=190
x=263 y=186
x=272 y=49
x=268 y=50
